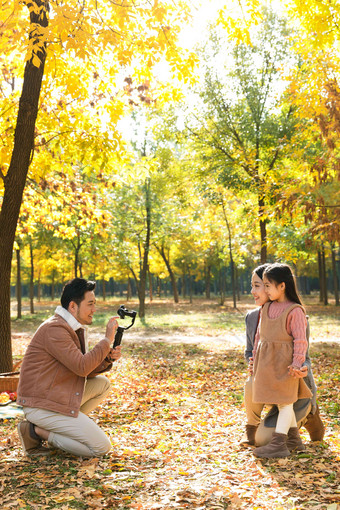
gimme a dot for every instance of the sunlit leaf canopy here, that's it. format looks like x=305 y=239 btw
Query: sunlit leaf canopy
x=91 y=49
x=108 y=60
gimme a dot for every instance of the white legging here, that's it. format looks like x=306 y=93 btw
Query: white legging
x=80 y=436
x=286 y=418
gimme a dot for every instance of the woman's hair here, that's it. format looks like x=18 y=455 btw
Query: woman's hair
x=75 y=290
x=279 y=273
x=260 y=269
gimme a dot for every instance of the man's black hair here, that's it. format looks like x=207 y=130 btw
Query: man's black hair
x=74 y=290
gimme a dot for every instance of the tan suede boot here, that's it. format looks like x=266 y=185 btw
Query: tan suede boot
x=248 y=438
x=26 y=437
x=294 y=443
x=277 y=448
x=314 y=426
x=30 y=442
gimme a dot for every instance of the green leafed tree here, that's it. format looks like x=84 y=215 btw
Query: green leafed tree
x=244 y=125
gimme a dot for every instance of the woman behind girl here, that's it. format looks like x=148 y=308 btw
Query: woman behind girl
x=259 y=431
x=279 y=353
x=253 y=411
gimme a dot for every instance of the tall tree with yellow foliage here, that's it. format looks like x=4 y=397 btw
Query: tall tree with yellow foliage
x=81 y=51
x=315 y=93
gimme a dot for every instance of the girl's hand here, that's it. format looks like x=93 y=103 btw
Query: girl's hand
x=299 y=373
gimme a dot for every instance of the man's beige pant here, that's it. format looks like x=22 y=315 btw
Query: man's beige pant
x=80 y=436
x=253 y=412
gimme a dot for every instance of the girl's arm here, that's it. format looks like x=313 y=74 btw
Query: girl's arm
x=296 y=326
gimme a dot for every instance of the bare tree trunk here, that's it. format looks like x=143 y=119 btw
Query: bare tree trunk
x=53 y=285
x=232 y=268
x=263 y=231
x=19 y=315
x=335 y=277
x=31 y=279
x=104 y=289
x=166 y=259
x=150 y=286
x=146 y=246
x=39 y=286
x=324 y=276
x=207 y=278
x=184 y=274
x=15 y=179
x=129 y=290
x=222 y=287
x=76 y=262
x=112 y=287
x=236 y=283
x=190 y=286
x=321 y=279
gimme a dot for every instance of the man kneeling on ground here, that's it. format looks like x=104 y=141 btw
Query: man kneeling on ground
x=59 y=383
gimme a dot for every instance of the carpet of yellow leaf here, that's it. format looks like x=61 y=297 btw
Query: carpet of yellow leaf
x=174 y=418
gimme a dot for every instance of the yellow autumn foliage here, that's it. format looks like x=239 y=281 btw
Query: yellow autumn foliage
x=91 y=49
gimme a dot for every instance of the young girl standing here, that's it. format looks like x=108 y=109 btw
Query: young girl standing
x=280 y=350
x=253 y=411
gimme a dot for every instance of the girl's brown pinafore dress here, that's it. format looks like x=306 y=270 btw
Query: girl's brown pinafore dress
x=272 y=383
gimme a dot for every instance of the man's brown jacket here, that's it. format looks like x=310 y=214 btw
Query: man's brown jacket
x=54 y=368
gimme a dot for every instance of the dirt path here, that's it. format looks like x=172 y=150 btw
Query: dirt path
x=219 y=342
x=224 y=339
x=324 y=322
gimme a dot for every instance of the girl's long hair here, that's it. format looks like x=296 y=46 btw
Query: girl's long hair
x=279 y=273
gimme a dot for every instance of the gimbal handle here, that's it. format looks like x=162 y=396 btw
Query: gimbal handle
x=118 y=337
x=122 y=312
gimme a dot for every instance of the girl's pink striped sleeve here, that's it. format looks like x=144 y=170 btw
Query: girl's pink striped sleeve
x=296 y=326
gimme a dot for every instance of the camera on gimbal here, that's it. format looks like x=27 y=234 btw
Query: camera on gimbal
x=123 y=312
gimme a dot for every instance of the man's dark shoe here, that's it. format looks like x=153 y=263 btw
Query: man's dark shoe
x=39 y=451
x=314 y=426
x=248 y=438
x=30 y=442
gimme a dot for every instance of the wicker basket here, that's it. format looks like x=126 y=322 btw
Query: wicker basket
x=9 y=381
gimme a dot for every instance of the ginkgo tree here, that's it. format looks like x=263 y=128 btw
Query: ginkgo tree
x=315 y=94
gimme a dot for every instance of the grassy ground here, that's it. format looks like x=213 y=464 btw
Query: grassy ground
x=175 y=416
x=203 y=316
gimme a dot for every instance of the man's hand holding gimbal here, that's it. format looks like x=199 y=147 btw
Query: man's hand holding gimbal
x=111 y=330
x=115 y=353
